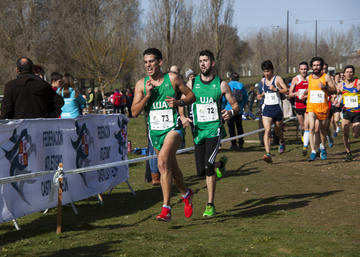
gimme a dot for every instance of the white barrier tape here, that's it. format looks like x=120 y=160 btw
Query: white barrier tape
x=58 y=174
x=7 y=180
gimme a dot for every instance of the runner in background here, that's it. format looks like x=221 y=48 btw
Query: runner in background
x=317 y=107
x=350 y=89
x=272 y=86
x=298 y=89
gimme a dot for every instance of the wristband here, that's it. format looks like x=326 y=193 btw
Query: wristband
x=182 y=103
x=232 y=112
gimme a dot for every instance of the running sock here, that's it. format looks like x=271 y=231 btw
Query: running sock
x=337 y=129
x=306 y=138
x=210 y=204
x=166 y=206
x=186 y=195
x=313 y=151
x=322 y=147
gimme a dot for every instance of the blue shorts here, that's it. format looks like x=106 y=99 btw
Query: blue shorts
x=273 y=111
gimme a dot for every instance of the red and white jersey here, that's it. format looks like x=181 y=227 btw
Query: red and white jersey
x=301 y=86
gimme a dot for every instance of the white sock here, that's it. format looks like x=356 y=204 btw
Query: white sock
x=337 y=129
x=186 y=195
x=166 y=206
x=306 y=138
x=322 y=147
x=313 y=151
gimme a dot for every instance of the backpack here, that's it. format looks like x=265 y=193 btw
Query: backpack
x=237 y=93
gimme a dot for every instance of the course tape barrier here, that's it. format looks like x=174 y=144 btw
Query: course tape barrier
x=117 y=163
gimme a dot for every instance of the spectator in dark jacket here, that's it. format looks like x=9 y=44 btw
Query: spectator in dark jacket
x=98 y=99
x=28 y=96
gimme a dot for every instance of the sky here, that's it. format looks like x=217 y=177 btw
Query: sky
x=252 y=15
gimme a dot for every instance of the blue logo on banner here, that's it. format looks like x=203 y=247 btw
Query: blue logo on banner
x=81 y=147
x=18 y=156
x=121 y=135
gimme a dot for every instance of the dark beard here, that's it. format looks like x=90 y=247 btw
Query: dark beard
x=207 y=72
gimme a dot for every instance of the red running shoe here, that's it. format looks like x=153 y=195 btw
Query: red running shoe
x=188 y=209
x=165 y=214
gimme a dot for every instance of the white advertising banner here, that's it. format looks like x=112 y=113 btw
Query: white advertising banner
x=28 y=146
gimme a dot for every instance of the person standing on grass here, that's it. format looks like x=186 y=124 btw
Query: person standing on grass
x=240 y=94
x=350 y=89
x=272 y=86
x=298 y=89
x=320 y=86
x=207 y=120
x=156 y=95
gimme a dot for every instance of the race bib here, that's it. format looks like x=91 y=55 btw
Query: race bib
x=317 y=97
x=351 y=101
x=161 y=119
x=301 y=92
x=207 y=112
x=271 y=99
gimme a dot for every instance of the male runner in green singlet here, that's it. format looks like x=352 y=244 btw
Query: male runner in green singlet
x=206 y=112
x=157 y=95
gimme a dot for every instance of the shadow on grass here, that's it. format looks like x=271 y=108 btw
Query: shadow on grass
x=115 y=205
x=263 y=206
x=92 y=250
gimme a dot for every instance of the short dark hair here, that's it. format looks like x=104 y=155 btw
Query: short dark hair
x=38 y=69
x=304 y=63
x=55 y=76
x=234 y=76
x=24 y=64
x=207 y=53
x=153 y=51
x=349 y=67
x=317 y=59
x=337 y=73
x=267 y=65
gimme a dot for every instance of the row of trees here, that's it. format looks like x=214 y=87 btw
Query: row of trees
x=104 y=39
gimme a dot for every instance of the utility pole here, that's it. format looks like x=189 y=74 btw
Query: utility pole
x=287 y=42
x=315 y=37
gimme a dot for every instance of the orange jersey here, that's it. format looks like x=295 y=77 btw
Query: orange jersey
x=317 y=100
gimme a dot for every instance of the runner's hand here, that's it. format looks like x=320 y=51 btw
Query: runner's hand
x=149 y=87
x=226 y=114
x=171 y=101
x=272 y=88
x=185 y=121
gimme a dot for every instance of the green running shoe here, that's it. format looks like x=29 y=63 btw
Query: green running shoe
x=209 y=211
x=221 y=170
x=348 y=157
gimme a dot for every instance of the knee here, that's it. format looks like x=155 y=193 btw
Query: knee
x=162 y=164
x=209 y=169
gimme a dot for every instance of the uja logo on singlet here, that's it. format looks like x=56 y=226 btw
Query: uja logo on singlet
x=160 y=105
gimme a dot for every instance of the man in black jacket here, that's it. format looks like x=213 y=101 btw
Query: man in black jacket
x=28 y=96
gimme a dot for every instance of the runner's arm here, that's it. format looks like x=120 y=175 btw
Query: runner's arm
x=140 y=100
x=292 y=92
x=179 y=84
x=330 y=85
x=281 y=85
x=226 y=91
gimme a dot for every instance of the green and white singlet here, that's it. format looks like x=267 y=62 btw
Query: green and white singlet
x=206 y=109
x=161 y=118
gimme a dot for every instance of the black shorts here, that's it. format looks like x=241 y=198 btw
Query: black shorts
x=336 y=109
x=205 y=155
x=300 y=111
x=353 y=117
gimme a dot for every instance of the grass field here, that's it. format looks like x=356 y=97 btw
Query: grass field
x=289 y=208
